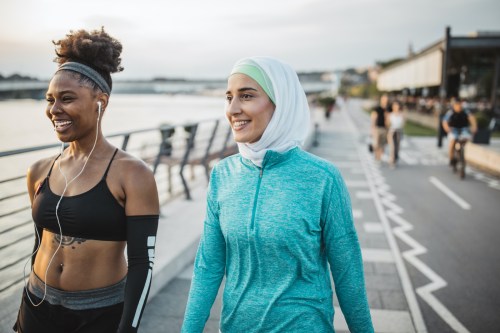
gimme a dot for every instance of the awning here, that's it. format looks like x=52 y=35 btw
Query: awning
x=418 y=72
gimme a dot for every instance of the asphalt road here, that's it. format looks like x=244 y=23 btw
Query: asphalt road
x=454 y=231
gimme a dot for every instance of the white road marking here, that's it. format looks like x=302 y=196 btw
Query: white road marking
x=356 y=183
x=452 y=195
x=374 y=177
x=373 y=227
x=404 y=156
x=426 y=291
x=411 y=298
x=343 y=164
x=344 y=156
x=377 y=255
x=363 y=195
x=379 y=187
x=357 y=213
x=492 y=182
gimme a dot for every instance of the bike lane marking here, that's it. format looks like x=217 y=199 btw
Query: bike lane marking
x=387 y=210
x=450 y=194
x=406 y=283
x=374 y=181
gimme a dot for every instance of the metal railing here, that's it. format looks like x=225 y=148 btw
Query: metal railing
x=169 y=150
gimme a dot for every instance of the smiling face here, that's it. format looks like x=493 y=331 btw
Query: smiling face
x=71 y=107
x=248 y=109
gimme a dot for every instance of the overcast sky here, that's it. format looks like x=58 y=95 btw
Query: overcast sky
x=203 y=38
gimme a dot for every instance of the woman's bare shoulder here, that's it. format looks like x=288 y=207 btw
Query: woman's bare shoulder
x=139 y=185
x=129 y=163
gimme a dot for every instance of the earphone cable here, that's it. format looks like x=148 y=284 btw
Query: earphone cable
x=57 y=215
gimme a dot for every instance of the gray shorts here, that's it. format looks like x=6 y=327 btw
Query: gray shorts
x=78 y=300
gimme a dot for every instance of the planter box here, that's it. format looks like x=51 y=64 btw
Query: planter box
x=482 y=136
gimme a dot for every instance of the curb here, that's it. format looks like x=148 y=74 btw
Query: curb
x=482 y=158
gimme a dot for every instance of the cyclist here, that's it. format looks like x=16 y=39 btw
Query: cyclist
x=459 y=123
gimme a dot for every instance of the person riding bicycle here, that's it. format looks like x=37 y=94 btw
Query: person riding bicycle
x=460 y=124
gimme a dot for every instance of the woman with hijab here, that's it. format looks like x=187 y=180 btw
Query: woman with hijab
x=276 y=217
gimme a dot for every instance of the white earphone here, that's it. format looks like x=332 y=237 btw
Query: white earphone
x=67 y=183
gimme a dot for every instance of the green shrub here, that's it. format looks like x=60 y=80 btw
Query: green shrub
x=483 y=119
x=326 y=101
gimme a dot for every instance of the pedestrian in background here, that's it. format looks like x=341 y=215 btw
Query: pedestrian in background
x=378 y=118
x=278 y=220
x=396 y=124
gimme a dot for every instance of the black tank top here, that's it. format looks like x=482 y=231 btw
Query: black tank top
x=380 y=121
x=94 y=214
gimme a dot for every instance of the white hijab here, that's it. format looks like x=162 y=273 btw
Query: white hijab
x=289 y=125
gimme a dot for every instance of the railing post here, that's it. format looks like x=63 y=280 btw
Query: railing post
x=316 y=135
x=207 y=152
x=165 y=145
x=224 y=147
x=191 y=129
x=126 y=137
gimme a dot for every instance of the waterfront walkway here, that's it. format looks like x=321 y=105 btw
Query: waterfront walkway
x=393 y=305
x=402 y=280
x=414 y=237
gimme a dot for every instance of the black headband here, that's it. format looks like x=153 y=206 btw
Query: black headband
x=88 y=72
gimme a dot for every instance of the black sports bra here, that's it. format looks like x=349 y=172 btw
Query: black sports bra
x=95 y=214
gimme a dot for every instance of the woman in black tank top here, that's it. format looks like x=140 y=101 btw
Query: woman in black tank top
x=88 y=204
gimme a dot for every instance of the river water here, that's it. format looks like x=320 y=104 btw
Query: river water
x=24 y=124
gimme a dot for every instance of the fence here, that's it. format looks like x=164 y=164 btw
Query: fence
x=180 y=156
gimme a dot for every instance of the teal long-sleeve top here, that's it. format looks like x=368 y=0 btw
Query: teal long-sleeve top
x=272 y=231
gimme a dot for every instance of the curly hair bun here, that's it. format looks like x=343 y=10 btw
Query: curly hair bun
x=96 y=49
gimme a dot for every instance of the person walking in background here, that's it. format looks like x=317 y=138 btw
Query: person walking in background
x=396 y=124
x=88 y=203
x=378 y=118
x=278 y=219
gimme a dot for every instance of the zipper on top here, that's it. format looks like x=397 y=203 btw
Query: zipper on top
x=256 y=197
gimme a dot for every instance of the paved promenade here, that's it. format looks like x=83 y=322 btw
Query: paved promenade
x=391 y=299
x=426 y=237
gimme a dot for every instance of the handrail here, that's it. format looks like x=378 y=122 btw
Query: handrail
x=176 y=152
x=114 y=135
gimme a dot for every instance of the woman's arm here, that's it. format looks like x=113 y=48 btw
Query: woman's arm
x=34 y=181
x=387 y=121
x=142 y=210
x=209 y=268
x=344 y=256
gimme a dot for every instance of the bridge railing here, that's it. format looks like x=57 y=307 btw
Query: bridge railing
x=180 y=156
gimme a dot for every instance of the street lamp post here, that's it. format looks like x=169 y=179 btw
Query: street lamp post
x=444 y=83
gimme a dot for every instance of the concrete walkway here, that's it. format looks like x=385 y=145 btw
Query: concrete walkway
x=392 y=302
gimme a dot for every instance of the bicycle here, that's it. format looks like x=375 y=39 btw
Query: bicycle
x=458 y=162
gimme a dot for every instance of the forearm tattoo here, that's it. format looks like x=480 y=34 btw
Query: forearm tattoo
x=67 y=240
